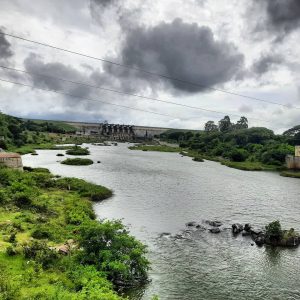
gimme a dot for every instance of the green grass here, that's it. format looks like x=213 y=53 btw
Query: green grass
x=77 y=162
x=58 y=210
x=158 y=148
x=249 y=166
x=293 y=174
x=78 y=151
x=32 y=147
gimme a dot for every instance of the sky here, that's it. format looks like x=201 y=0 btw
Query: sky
x=245 y=47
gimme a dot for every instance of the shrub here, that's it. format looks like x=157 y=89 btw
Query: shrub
x=40 y=252
x=77 y=162
x=273 y=230
x=11 y=251
x=238 y=155
x=41 y=233
x=78 y=151
x=111 y=249
x=22 y=199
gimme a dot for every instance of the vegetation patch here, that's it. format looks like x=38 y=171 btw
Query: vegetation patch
x=159 y=148
x=293 y=174
x=76 y=150
x=77 y=162
x=58 y=219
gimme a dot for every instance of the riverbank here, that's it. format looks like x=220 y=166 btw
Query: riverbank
x=51 y=246
x=245 y=166
x=293 y=174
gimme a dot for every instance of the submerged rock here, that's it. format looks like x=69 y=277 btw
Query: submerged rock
x=247 y=227
x=237 y=228
x=214 y=223
x=191 y=224
x=215 y=230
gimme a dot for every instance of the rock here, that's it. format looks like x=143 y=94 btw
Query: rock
x=246 y=233
x=164 y=234
x=260 y=240
x=98 y=162
x=214 y=223
x=237 y=228
x=191 y=224
x=247 y=227
x=256 y=231
x=200 y=227
x=214 y=230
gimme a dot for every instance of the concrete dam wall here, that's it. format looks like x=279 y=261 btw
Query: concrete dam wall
x=117 y=131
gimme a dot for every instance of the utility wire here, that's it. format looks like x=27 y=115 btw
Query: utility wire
x=143 y=71
x=88 y=99
x=122 y=93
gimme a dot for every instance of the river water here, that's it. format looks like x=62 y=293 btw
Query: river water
x=158 y=192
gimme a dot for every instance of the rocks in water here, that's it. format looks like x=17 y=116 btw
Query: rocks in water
x=247 y=227
x=215 y=230
x=214 y=223
x=246 y=233
x=191 y=224
x=260 y=240
x=200 y=227
x=237 y=228
x=164 y=234
x=98 y=162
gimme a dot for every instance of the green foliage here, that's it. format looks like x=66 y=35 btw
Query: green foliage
x=76 y=150
x=77 y=162
x=273 y=230
x=238 y=154
x=159 y=148
x=109 y=247
x=40 y=252
x=11 y=251
x=85 y=189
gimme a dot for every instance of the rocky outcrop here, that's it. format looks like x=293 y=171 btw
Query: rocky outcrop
x=237 y=228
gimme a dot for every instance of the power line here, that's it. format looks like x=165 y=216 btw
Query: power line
x=122 y=93
x=144 y=71
x=88 y=99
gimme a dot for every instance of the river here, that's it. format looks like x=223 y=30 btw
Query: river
x=157 y=192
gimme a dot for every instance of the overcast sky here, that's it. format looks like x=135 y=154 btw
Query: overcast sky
x=249 y=47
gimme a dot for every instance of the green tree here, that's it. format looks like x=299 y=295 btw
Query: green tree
x=210 y=126
x=225 y=124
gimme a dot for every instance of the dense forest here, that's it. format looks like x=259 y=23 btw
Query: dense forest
x=237 y=142
x=18 y=132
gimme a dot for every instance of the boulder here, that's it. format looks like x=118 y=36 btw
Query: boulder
x=260 y=240
x=191 y=224
x=237 y=228
x=247 y=227
x=215 y=230
x=214 y=223
x=246 y=233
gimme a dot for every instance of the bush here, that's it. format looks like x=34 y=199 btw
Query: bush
x=111 y=249
x=40 y=252
x=22 y=199
x=11 y=251
x=85 y=189
x=41 y=234
x=77 y=162
x=273 y=230
x=238 y=155
x=78 y=151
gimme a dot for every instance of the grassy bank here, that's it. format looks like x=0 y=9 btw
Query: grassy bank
x=30 y=148
x=159 y=148
x=77 y=162
x=42 y=217
x=293 y=174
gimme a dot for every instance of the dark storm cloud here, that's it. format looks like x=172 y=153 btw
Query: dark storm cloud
x=266 y=63
x=5 y=47
x=181 y=50
x=281 y=16
x=37 y=68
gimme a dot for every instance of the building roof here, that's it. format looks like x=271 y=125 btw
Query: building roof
x=9 y=155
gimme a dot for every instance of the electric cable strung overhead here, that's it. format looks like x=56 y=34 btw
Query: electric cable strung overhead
x=105 y=102
x=154 y=99
x=168 y=77
x=122 y=93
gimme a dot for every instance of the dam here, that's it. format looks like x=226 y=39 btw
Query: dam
x=117 y=131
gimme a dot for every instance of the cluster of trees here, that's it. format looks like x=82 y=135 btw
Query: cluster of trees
x=18 y=132
x=237 y=142
x=225 y=125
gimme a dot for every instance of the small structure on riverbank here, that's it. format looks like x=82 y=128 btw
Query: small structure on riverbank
x=293 y=162
x=11 y=160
